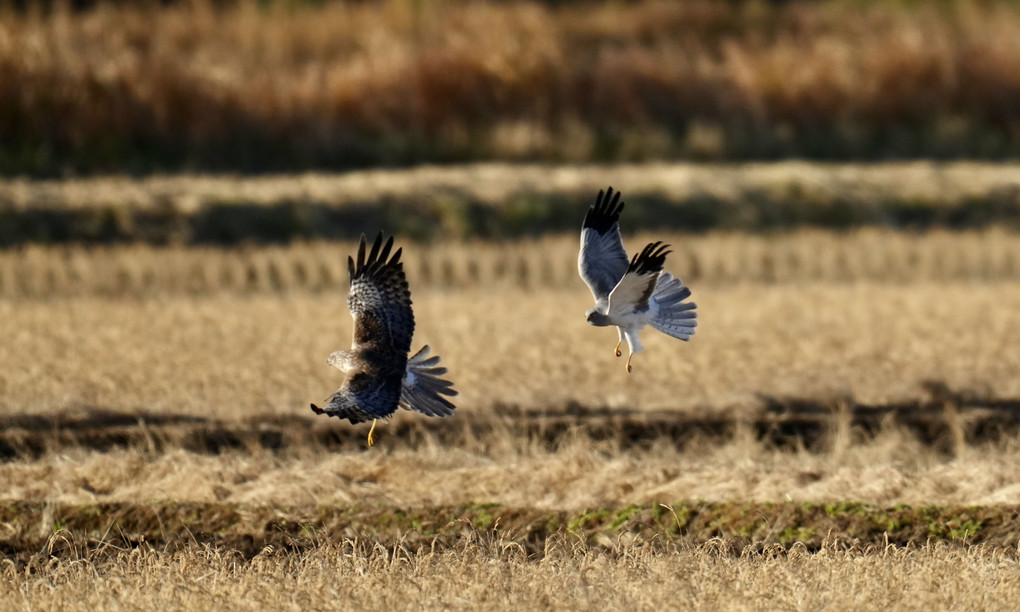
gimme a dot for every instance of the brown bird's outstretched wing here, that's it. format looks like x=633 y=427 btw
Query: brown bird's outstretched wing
x=379 y=299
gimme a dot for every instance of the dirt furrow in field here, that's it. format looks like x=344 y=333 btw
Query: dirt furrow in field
x=942 y=421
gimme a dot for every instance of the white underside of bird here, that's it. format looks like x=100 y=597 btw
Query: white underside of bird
x=665 y=310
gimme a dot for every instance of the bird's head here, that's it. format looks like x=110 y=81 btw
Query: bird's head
x=594 y=317
x=341 y=360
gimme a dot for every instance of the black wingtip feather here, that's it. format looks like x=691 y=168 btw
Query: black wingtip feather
x=317 y=410
x=385 y=254
x=373 y=256
x=361 y=254
x=376 y=258
x=651 y=259
x=605 y=212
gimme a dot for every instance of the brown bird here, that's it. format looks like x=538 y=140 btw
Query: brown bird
x=380 y=375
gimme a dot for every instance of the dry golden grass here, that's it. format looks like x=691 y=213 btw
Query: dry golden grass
x=228 y=356
x=922 y=183
x=241 y=85
x=493 y=573
x=578 y=473
x=716 y=259
x=506 y=201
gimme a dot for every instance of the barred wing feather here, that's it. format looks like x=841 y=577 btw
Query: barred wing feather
x=423 y=389
x=379 y=299
x=364 y=396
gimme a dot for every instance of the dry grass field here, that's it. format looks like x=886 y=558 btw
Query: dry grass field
x=841 y=432
x=921 y=182
x=496 y=574
x=492 y=573
x=498 y=202
x=503 y=202
x=592 y=452
x=236 y=355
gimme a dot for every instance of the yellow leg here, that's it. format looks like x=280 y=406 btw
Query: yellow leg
x=618 y=348
x=371 y=434
x=631 y=356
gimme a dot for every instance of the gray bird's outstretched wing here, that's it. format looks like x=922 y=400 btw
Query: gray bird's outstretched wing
x=637 y=285
x=602 y=261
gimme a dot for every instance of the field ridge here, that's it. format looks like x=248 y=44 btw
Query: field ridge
x=62 y=530
x=503 y=201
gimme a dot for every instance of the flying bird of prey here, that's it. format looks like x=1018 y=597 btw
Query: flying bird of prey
x=630 y=293
x=380 y=376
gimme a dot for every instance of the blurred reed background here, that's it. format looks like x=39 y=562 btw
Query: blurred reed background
x=289 y=85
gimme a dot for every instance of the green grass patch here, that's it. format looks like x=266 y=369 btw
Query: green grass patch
x=251 y=528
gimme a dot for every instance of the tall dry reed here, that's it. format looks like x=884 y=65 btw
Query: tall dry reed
x=251 y=86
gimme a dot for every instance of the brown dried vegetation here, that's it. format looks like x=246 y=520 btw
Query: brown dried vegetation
x=245 y=85
x=233 y=355
x=716 y=259
x=497 y=573
x=506 y=201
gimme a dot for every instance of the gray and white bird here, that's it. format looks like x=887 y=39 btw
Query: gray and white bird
x=630 y=293
x=380 y=376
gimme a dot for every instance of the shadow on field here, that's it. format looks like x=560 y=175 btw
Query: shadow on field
x=944 y=420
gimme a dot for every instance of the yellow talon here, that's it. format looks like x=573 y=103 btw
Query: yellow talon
x=371 y=434
x=618 y=353
x=628 y=362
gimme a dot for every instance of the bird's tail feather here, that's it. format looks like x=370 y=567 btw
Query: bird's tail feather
x=676 y=317
x=423 y=389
